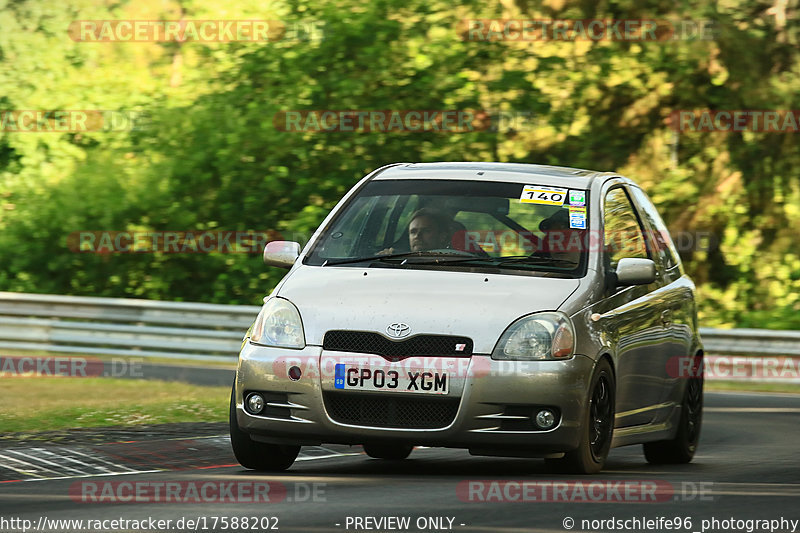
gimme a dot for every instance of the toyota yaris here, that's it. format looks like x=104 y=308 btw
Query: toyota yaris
x=509 y=309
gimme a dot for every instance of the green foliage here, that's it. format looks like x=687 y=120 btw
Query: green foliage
x=47 y=402
x=210 y=157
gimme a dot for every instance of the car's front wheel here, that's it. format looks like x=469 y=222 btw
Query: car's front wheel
x=597 y=428
x=258 y=455
x=393 y=452
x=681 y=449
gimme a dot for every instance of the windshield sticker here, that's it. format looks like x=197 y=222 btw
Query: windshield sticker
x=539 y=194
x=577 y=220
x=576 y=209
x=577 y=197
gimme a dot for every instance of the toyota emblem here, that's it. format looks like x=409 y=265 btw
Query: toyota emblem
x=398 y=329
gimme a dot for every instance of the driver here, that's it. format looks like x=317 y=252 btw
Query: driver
x=428 y=229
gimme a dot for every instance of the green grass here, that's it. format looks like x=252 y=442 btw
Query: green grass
x=51 y=403
x=743 y=386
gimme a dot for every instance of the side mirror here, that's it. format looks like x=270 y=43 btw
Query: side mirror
x=281 y=253
x=635 y=271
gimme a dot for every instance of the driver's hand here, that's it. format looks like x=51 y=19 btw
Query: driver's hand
x=387 y=251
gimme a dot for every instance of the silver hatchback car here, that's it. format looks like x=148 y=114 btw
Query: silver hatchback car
x=509 y=309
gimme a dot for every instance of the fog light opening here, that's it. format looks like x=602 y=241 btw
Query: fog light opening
x=295 y=373
x=255 y=403
x=545 y=419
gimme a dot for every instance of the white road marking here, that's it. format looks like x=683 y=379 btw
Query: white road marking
x=128 y=471
x=66 y=451
x=99 y=475
x=35 y=467
x=23 y=472
x=328 y=450
x=45 y=461
x=312 y=457
x=115 y=465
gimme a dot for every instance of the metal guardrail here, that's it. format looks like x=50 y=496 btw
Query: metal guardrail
x=121 y=326
x=751 y=342
x=213 y=332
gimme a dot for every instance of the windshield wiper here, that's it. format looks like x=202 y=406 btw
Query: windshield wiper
x=514 y=260
x=444 y=258
x=385 y=257
x=535 y=260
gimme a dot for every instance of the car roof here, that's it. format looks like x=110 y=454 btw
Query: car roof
x=484 y=171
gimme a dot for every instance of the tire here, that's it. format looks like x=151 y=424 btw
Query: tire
x=682 y=448
x=258 y=455
x=597 y=429
x=391 y=452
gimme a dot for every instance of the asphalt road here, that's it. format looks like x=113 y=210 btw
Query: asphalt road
x=747 y=468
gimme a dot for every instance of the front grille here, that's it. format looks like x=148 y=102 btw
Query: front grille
x=418 y=345
x=391 y=412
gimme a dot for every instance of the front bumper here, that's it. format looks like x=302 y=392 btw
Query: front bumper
x=484 y=390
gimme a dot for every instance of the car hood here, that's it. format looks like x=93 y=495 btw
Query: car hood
x=479 y=306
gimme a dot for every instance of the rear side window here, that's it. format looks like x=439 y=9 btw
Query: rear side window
x=660 y=241
x=622 y=234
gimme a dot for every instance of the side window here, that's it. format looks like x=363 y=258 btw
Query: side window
x=660 y=241
x=348 y=231
x=622 y=233
x=382 y=218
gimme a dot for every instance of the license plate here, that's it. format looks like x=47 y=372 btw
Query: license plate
x=402 y=380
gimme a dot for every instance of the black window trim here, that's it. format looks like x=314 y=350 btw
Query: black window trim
x=675 y=258
x=636 y=214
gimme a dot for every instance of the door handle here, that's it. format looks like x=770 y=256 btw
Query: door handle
x=666 y=318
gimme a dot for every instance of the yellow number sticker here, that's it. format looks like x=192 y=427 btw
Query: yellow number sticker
x=539 y=194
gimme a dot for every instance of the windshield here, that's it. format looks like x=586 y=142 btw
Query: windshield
x=459 y=224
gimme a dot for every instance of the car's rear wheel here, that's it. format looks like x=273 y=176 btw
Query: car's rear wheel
x=597 y=428
x=258 y=455
x=682 y=448
x=393 y=452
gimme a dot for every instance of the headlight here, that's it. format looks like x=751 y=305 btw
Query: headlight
x=278 y=324
x=537 y=337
